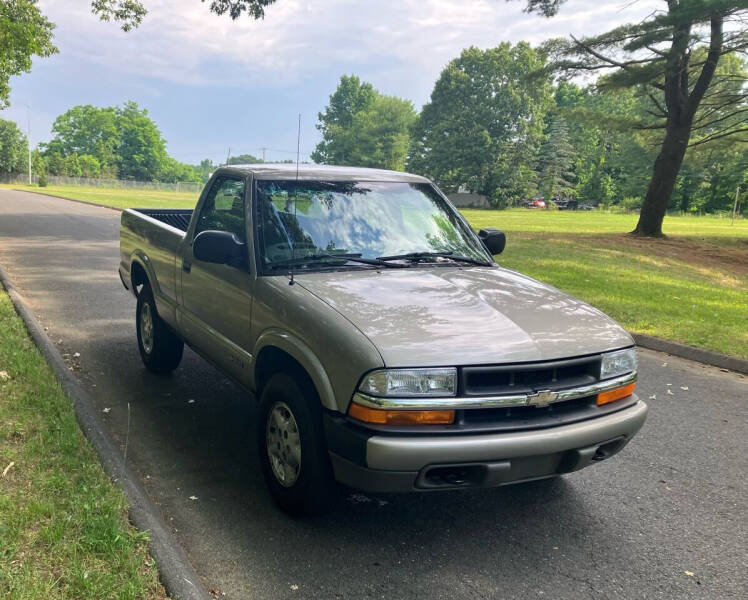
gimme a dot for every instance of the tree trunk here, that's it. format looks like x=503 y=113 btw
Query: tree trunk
x=665 y=172
x=681 y=109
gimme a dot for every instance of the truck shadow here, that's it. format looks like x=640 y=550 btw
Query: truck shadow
x=192 y=436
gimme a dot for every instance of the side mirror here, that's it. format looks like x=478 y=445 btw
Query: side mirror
x=220 y=247
x=493 y=239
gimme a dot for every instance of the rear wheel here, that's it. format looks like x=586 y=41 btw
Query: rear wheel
x=293 y=454
x=160 y=349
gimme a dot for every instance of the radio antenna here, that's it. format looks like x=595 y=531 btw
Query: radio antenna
x=295 y=198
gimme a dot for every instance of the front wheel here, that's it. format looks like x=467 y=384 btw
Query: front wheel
x=291 y=446
x=160 y=349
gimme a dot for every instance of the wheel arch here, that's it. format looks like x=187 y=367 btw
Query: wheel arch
x=279 y=351
x=141 y=273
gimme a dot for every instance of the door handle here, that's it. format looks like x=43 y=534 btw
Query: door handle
x=186 y=266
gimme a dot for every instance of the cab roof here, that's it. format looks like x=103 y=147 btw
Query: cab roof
x=321 y=172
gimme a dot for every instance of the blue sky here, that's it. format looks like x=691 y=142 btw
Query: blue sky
x=210 y=83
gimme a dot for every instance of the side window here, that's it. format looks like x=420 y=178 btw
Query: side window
x=223 y=209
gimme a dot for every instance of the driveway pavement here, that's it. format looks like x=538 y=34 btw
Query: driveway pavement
x=664 y=519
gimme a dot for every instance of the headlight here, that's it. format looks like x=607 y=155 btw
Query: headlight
x=618 y=363
x=410 y=382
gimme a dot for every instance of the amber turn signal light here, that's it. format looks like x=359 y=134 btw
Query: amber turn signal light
x=401 y=417
x=616 y=394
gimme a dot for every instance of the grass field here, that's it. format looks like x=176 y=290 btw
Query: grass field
x=116 y=197
x=64 y=532
x=691 y=287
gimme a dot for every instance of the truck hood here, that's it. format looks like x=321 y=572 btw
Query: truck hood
x=464 y=316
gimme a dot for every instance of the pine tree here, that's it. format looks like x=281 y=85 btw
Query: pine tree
x=555 y=161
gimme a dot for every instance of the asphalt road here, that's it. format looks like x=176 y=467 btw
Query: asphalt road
x=664 y=519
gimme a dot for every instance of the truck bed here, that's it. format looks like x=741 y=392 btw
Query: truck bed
x=175 y=217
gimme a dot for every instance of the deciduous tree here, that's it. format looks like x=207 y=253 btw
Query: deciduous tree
x=244 y=159
x=13 y=148
x=484 y=122
x=362 y=127
x=130 y=13
x=87 y=130
x=141 y=150
x=24 y=33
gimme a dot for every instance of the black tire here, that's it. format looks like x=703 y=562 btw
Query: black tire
x=310 y=492
x=161 y=350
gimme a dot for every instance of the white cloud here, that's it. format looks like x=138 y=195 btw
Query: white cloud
x=398 y=41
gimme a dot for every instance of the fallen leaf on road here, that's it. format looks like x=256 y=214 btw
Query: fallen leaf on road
x=684 y=388
x=670 y=393
x=653 y=397
x=191 y=401
x=8 y=468
x=193 y=497
x=4 y=376
x=294 y=587
x=555 y=547
x=77 y=355
x=668 y=384
x=664 y=364
x=359 y=498
x=106 y=410
x=689 y=573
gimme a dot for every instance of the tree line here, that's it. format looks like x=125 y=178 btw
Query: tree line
x=498 y=125
x=115 y=142
x=674 y=62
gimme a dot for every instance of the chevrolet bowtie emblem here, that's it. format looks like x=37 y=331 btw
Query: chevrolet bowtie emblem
x=542 y=398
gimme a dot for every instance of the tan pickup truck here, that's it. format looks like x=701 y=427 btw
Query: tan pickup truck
x=388 y=351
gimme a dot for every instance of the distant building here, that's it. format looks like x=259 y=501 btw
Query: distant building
x=468 y=200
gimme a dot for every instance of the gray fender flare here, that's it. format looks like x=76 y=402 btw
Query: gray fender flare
x=303 y=354
x=141 y=259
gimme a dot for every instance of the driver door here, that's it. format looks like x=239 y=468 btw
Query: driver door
x=216 y=308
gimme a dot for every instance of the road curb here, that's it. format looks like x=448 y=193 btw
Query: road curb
x=177 y=573
x=706 y=357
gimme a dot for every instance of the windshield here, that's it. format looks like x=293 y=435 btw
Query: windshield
x=370 y=219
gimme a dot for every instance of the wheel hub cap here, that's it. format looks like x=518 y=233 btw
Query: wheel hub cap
x=146 y=327
x=283 y=444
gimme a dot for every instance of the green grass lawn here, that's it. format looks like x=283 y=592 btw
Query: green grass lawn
x=715 y=230
x=64 y=532
x=691 y=287
x=116 y=197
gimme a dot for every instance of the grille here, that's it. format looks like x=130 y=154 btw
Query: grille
x=498 y=380
x=535 y=417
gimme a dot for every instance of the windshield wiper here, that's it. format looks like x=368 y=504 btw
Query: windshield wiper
x=311 y=258
x=449 y=255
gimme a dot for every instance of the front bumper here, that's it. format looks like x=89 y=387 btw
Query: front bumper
x=405 y=463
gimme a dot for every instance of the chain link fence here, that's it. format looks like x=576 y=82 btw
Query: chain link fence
x=179 y=186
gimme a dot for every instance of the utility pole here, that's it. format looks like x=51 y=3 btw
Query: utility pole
x=228 y=156
x=263 y=153
x=28 y=136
